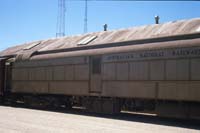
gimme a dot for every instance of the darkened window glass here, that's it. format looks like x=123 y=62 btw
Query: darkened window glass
x=96 y=65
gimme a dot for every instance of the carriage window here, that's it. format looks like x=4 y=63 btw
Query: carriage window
x=96 y=65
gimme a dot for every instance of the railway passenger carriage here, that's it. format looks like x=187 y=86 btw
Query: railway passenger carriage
x=152 y=69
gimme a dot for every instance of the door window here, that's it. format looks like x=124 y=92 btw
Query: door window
x=96 y=65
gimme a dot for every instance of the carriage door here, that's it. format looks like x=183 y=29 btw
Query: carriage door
x=2 y=74
x=95 y=74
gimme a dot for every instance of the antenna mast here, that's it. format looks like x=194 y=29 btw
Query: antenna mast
x=85 y=18
x=60 y=30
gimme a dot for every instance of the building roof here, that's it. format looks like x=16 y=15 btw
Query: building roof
x=155 y=31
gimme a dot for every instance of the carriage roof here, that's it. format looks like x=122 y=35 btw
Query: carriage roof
x=176 y=30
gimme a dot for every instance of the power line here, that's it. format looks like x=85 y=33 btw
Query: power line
x=135 y=0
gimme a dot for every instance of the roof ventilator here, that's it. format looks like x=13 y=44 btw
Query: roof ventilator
x=87 y=40
x=30 y=46
x=105 y=27
x=157 y=19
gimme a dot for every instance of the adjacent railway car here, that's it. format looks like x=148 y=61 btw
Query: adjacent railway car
x=153 y=68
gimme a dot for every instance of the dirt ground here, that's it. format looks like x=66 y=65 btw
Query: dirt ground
x=14 y=120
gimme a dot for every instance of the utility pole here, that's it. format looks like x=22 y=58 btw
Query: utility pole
x=60 y=30
x=86 y=15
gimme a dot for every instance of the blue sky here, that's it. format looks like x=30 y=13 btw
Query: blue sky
x=28 y=20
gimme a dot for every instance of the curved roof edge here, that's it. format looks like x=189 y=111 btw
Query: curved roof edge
x=169 y=30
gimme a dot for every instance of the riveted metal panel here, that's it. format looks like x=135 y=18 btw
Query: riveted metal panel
x=179 y=90
x=167 y=90
x=109 y=71
x=59 y=73
x=37 y=73
x=195 y=69
x=139 y=71
x=177 y=69
x=194 y=92
x=30 y=87
x=129 y=89
x=69 y=87
x=174 y=90
x=81 y=72
x=20 y=74
x=69 y=72
x=182 y=69
x=171 y=70
x=49 y=73
x=157 y=70
x=122 y=71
